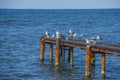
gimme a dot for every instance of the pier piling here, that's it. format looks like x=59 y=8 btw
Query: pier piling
x=57 y=59
x=71 y=55
x=42 y=48
x=92 y=58
x=103 y=63
x=88 y=58
x=51 y=53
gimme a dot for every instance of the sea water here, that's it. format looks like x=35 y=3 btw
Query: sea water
x=20 y=32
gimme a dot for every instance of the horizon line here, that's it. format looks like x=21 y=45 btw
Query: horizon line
x=59 y=8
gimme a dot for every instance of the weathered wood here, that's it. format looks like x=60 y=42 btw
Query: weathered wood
x=57 y=60
x=92 y=58
x=88 y=58
x=61 y=53
x=42 y=48
x=91 y=50
x=64 y=53
x=51 y=53
x=103 y=63
x=98 y=48
x=71 y=56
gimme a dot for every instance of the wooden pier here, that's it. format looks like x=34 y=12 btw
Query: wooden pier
x=91 y=51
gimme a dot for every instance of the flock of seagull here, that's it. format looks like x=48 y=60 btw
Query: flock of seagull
x=72 y=35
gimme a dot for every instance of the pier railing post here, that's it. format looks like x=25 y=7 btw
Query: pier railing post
x=57 y=60
x=51 y=52
x=42 y=48
x=88 y=58
x=92 y=58
x=103 y=63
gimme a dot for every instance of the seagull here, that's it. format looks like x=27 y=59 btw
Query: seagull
x=47 y=34
x=57 y=34
x=93 y=40
x=87 y=41
x=72 y=34
x=66 y=38
x=70 y=31
x=81 y=36
x=98 y=38
x=62 y=36
x=52 y=36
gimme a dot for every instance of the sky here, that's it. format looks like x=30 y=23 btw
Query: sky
x=59 y=4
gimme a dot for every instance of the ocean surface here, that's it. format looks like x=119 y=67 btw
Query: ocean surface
x=20 y=32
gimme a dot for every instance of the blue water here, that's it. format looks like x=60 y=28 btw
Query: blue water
x=20 y=32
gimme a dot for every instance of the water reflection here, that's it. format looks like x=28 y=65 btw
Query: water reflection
x=57 y=73
x=103 y=77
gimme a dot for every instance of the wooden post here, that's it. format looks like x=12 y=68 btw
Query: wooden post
x=88 y=58
x=64 y=53
x=51 y=53
x=93 y=59
x=42 y=48
x=71 y=55
x=57 y=60
x=61 y=54
x=103 y=63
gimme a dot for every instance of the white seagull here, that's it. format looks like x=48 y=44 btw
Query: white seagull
x=87 y=41
x=70 y=31
x=47 y=34
x=98 y=38
x=57 y=34
x=81 y=36
x=93 y=40
x=72 y=34
x=52 y=36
